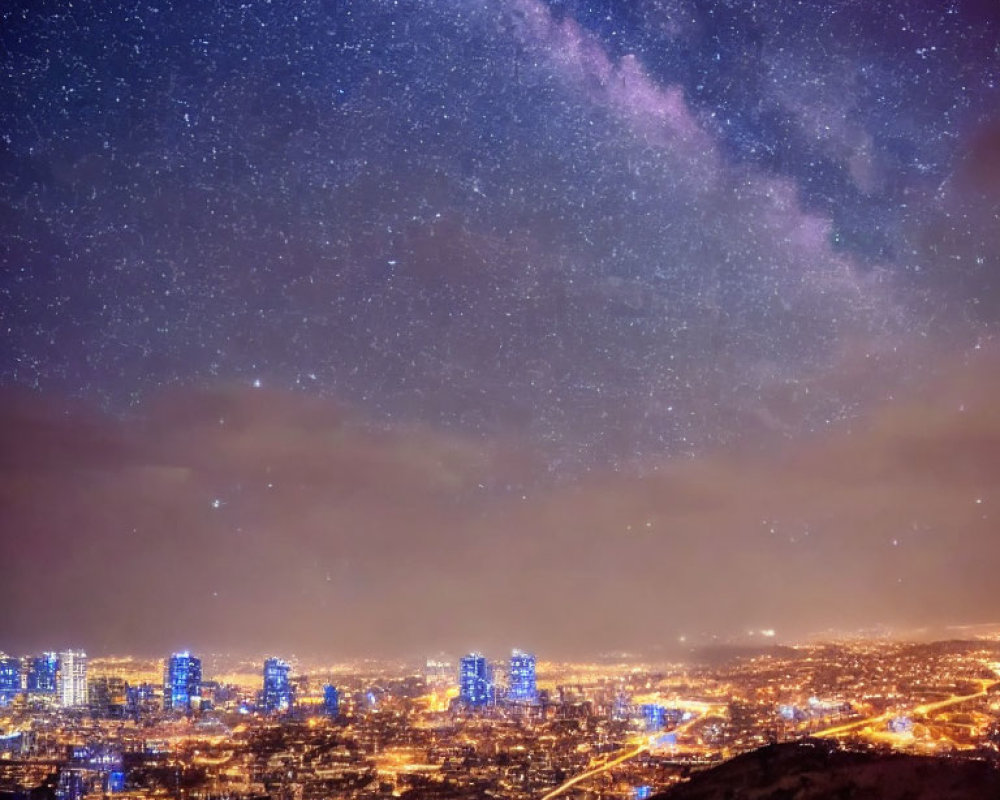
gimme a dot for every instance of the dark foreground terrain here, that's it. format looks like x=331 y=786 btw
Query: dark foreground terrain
x=818 y=771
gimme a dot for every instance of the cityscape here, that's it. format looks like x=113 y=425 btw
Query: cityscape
x=499 y=399
x=476 y=727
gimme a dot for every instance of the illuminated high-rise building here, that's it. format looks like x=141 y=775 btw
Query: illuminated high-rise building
x=10 y=679
x=277 y=694
x=71 y=785
x=521 y=686
x=653 y=717
x=621 y=709
x=475 y=685
x=107 y=696
x=182 y=682
x=331 y=701
x=72 y=682
x=439 y=673
x=140 y=699
x=43 y=674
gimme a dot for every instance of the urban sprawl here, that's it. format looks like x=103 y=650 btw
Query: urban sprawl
x=472 y=727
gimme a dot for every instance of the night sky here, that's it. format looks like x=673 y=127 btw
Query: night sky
x=384 y=327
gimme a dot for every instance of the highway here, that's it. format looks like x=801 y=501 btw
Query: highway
x=583 y=776
x=628 y=755
x=837 y=730
x=927 y=708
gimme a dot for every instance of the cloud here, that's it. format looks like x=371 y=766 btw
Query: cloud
x=221 y=510
x=889 y=519
x=252 y=519
x=521 y=256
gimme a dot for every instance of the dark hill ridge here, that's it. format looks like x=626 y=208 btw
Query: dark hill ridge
x=816 y=770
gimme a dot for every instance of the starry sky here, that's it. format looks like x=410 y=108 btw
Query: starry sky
x=390 y=326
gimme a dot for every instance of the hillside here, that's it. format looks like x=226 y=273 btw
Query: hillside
x=817 y=771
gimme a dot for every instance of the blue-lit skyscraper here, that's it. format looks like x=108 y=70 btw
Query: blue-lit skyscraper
x=10 y=679
x=331 y=701
x=43 y=674
x=116 y=781
x=277 y=694
x=621 y=709
x=653 y=717
x=474 y=680
x=182 y=682
x=521 y=678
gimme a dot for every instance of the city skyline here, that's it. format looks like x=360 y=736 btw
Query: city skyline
x=388 y=328
x=620 y=731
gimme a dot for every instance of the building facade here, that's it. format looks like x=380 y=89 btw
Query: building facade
x=43 y=674
x=653 y=717
x=521 y=684
x=10 y=679
x=182 y=682
x=107 y=697
x=331 y=701
x=475 y=684
x=72 y=682
x=277 y=693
